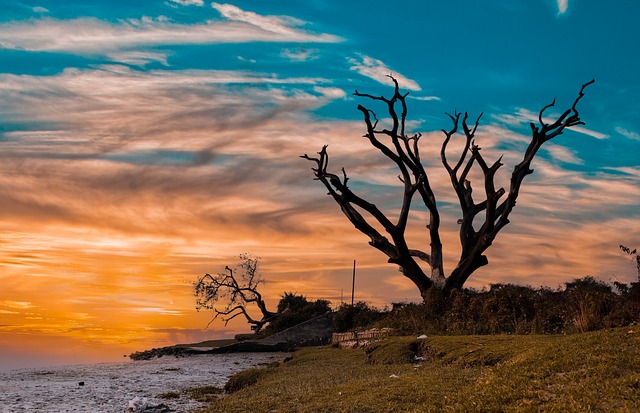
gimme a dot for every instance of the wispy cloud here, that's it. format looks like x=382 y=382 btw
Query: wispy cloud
x=189 y=2
x=91 y=36
x=16 y=304
x=524 y=116
x=425 y=98
x=139 y=58
x=299 y=54
x=589 y=132
x=379 y=71
x=563 y=5
x=562 y=153
x=628 y=134
x=273 y=24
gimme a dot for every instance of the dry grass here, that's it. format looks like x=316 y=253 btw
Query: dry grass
x=597 y=371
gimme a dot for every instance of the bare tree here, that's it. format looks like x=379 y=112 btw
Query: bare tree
x=236 y=288
x=403 y=150
x=635 y=256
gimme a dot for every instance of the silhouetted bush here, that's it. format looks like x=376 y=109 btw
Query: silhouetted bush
x=294 y=309
x=588 y=301
x=584 y=304
x=358 y=316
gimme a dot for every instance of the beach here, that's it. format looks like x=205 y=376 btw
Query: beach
x=114 y=387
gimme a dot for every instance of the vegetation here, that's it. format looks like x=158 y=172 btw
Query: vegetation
x=294 y=309
x=490 y=211
x=236 y=288
x=584 y=304
x=204 y=394
x=635 y=256
x=594 y=371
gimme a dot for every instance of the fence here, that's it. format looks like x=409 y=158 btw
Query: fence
x=354 y=339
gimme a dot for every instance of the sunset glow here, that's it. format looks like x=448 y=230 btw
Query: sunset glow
x=145 y=143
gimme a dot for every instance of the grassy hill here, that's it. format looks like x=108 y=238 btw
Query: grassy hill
x=597 y=371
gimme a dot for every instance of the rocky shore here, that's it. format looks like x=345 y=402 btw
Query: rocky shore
x=155 y=385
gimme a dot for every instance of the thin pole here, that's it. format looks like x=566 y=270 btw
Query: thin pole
x=353 y=282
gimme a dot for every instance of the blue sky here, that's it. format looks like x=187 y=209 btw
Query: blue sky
x=145 y=142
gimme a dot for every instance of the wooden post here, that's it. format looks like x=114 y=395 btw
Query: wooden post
x=353 y=282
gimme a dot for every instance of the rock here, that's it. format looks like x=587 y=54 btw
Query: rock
x=138 y=404
x=422 y=337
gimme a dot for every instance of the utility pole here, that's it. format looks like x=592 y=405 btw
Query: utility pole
x=353 y=282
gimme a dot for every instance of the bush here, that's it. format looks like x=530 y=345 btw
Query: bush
x=294 y=309
x=588 y=301
x=584 y=304
x=354 y=317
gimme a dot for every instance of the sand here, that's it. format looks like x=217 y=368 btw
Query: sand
x=114 y=387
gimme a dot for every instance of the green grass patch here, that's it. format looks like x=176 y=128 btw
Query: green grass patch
x=598 y=371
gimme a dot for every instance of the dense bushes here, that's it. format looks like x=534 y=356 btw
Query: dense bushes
x=584 y=304
x=354 y=317
x=294 y=309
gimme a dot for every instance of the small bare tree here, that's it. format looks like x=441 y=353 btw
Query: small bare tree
x=635 y=256
x=403 y=150
x=236 y=288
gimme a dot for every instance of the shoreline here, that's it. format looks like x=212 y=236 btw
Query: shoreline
x=110 y=387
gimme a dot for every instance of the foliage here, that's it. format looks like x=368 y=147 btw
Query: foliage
x=584 y=304
x=352 y=317
x=294 y=309
x=635 y=256
x=235 y=288
x=588 y=301
x=593 y=371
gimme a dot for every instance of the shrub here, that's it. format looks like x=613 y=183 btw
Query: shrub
x=587 y=302
x=357 y=316
x=294 y=309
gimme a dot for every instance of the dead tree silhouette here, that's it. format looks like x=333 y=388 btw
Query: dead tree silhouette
x=403 y=150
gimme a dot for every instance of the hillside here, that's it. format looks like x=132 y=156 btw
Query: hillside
x=597 y=371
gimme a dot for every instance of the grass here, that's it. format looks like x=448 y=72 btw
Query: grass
x=204 y=393
x=597 y=371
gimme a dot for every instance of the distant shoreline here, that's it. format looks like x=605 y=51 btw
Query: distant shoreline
x=209 y=347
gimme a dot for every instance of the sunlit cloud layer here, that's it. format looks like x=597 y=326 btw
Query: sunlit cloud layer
x=377 y=70
x=89 y=35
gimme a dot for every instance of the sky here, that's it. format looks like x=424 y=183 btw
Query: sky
x=144 y=143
